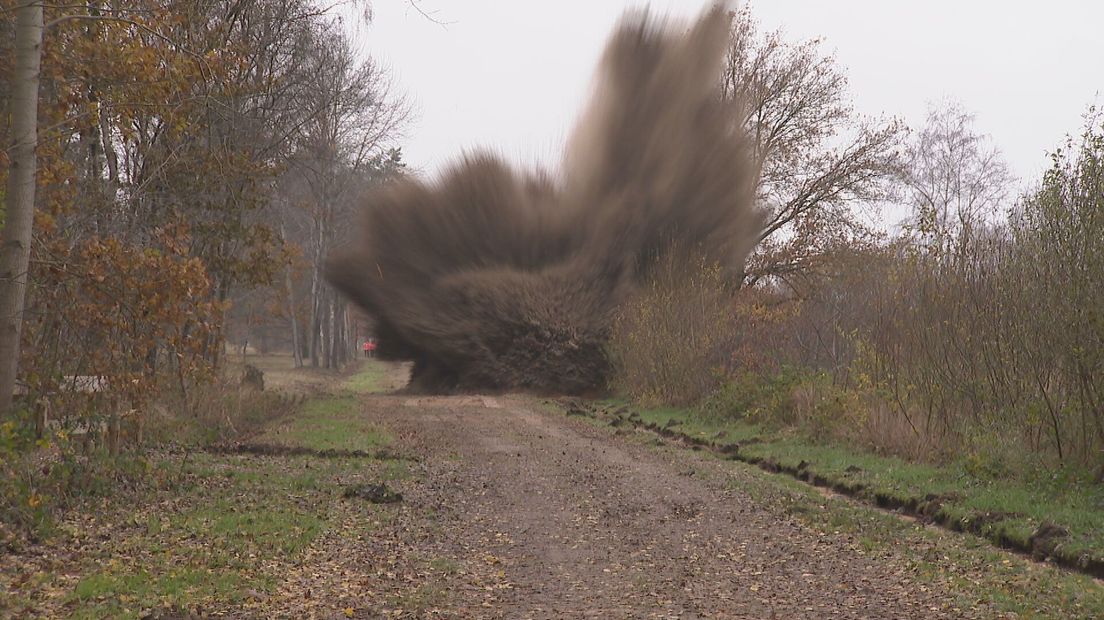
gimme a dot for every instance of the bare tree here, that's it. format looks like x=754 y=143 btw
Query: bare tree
x=956 y=179
x=818 y=158
x=344 y=147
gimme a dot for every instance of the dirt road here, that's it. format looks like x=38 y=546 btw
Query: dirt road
x=515 y=511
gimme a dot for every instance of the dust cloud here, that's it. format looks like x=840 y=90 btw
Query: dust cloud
x=491 y=278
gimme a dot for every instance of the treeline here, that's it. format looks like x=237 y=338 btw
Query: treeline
x=974 y=330
x=196 y=160
x=983 y=336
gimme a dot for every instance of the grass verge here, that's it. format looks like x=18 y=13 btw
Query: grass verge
x=989 y=582
x=1056 y=515
x=217 y=533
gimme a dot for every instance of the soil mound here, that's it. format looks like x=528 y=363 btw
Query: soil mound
x=494 y=278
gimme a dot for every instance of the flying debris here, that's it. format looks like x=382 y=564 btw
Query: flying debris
x=492 y=278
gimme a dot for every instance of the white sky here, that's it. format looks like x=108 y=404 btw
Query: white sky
x=512 y=74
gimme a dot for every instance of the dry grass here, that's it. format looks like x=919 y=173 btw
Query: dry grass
x=280 y=373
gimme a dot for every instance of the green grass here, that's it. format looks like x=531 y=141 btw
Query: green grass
x=1073 y=504
x=706 y=428
x=243 y=531
x=329 y=423
x=1068 y=499
x=978 y=575
x=370 y=379
x=239 y=521
x=334 y=422
x=969 y=568
x=228 y=527
x=127 y=594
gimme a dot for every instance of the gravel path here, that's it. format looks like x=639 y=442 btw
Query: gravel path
x=520 y=513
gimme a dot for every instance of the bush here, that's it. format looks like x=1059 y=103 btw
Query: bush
x=42 y=478
x=791 y=398
x=669 y=342
x=217 y=412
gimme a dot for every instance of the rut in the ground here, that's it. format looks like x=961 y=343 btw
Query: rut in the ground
x=538 y=515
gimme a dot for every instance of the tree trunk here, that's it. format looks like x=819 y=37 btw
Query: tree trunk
x=296 y=347
x=316 y=329
x=110 y=154
x=346 y=334
x=15 y=241
x=332 y=346
x=316 y=291
x=312 y=329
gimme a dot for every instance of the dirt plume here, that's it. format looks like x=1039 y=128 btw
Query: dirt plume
x=494 y=278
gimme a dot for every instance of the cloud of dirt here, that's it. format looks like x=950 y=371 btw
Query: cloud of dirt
x=493 y=278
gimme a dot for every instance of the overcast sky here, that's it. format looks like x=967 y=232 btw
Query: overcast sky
x=511 y=75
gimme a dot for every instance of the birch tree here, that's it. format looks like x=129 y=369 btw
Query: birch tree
x=18 y=214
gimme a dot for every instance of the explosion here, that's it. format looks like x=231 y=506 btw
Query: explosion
x=492 y=278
